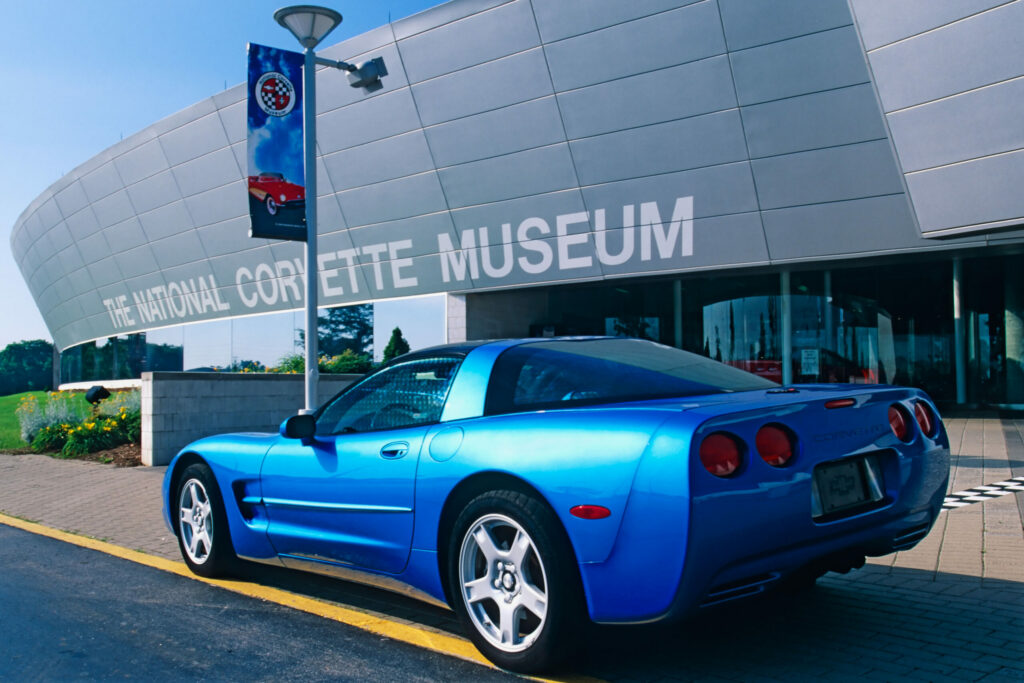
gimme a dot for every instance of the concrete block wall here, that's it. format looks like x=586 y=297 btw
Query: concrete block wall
x=180 y=407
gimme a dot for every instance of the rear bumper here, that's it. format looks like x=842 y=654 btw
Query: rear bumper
x=759 y=556
x=744 y=542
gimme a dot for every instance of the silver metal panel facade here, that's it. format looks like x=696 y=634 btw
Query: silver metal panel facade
x=526 y=142
x=949 y=75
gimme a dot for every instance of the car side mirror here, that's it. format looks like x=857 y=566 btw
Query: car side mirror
x=299 y=427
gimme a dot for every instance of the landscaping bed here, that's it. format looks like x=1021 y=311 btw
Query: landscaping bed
x=63 y=425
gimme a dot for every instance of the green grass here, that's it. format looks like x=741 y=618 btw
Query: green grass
x=10 y=431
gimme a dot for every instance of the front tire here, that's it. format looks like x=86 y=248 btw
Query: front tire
x=202 y=526
x=514 y=582
x=272 y=206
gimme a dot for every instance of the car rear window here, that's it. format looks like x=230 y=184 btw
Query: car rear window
x=560 y=373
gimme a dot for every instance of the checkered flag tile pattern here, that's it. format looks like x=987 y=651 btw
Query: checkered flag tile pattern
x=979 y=494
x=275 y=94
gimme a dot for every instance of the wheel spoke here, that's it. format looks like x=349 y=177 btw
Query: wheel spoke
x=533 y=600
x=204 y=536
x=485 y=543
x=509 y=625
x=520 y=548
x=193 y=545
x=479 y=589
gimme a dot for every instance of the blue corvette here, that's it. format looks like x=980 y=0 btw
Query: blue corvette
x=534 y=484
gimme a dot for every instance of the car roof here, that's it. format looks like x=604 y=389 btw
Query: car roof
x=463 y=348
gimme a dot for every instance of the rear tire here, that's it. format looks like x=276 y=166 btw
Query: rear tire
x=514 y=582
x=202 y=526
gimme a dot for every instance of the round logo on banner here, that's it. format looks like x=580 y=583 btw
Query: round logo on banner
x=275 y=94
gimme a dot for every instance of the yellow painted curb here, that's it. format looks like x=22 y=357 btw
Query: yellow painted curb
x=430 y=640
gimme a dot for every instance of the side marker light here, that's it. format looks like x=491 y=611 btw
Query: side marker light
x=590 y=512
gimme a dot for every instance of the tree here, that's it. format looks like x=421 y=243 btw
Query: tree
x=347 y=327
x=397 y=345
x=26 y=366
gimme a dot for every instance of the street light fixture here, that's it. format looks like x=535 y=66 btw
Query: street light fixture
x=310 y=24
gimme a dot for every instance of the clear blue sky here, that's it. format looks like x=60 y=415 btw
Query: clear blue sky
x=78 y=76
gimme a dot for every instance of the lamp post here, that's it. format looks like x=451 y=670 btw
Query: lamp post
x=309 y=24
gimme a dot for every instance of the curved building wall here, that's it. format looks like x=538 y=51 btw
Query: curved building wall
x=515 y=142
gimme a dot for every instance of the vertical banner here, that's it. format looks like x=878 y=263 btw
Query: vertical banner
x=277 y=192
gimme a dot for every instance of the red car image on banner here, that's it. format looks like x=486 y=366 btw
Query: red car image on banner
x=275 y=192
x=276 y=177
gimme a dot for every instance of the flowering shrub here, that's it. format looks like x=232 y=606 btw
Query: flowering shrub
x=30 y=417
x=130 y=400
x=60 y=407
x=51 y=438
x=348 y=361
x=291 y=364
x=102 y=433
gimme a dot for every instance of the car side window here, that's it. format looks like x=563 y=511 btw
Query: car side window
x=402 y=395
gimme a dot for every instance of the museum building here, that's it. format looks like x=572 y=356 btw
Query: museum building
x=813 y=190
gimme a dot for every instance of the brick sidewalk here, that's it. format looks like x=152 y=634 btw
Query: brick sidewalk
x=950 y=609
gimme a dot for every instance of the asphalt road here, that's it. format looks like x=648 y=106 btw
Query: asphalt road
x=69 y=612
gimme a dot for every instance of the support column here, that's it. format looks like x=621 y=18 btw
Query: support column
x=1013 y=325
x=958 y=333
x=56 y=368
x=677 y=313
x=787 y=328
x=829 y=322
x=455 y=318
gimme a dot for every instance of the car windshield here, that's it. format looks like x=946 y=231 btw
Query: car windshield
x=558 y=373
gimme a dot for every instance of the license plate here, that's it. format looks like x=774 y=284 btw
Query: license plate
x=845 y=485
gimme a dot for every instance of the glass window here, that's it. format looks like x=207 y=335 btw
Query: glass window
x=572 y=372
x=402 y=395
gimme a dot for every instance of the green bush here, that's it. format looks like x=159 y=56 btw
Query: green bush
x=51 y=439
x=102 y=433
x=88 y=437
x=129 y=399
x=292 y=363
x=348 y=361
x=130 y=426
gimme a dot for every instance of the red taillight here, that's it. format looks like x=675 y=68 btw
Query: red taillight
x=840 y=403
x=774 y=444
x=720 y=454
x=899 y=420
x=590 y=512
x=925 y=418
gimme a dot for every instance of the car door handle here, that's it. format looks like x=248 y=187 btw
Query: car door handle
x=394 y=450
